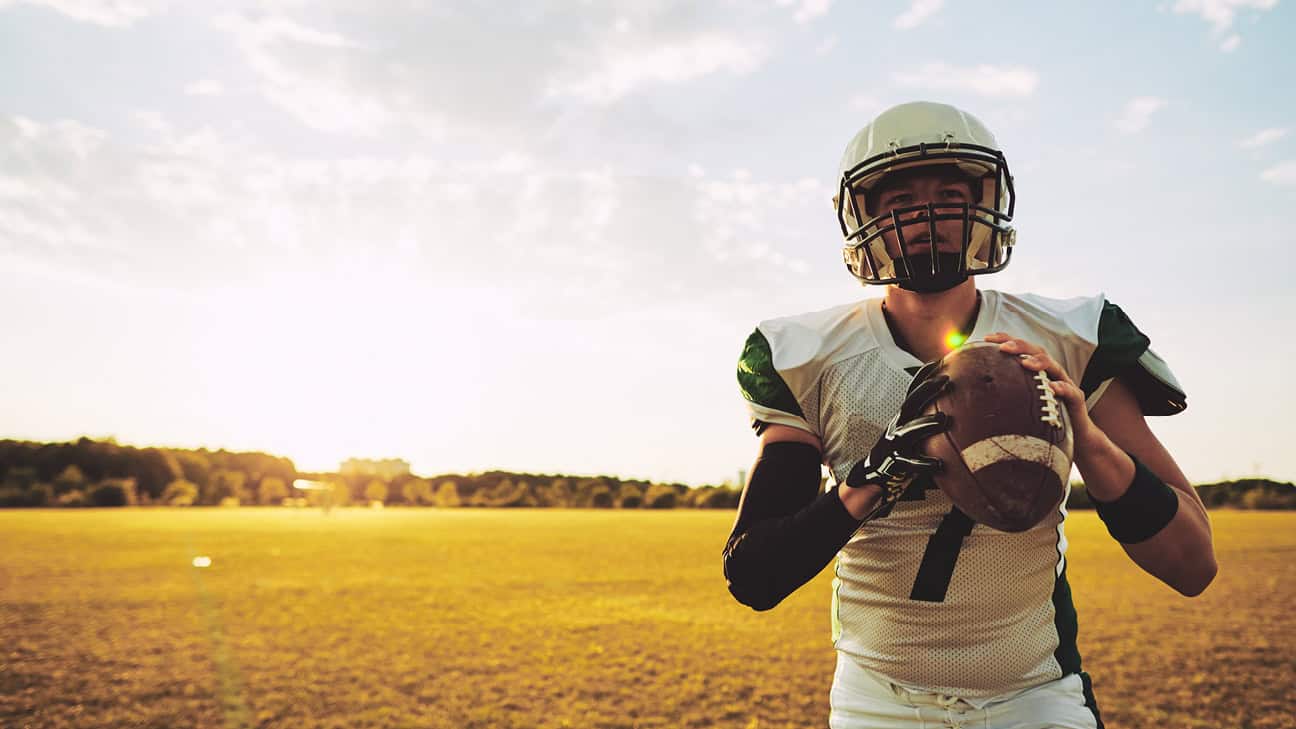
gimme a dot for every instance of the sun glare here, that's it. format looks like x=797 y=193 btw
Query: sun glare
x=325 y=369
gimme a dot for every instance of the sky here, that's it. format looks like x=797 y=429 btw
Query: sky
x=534 y=236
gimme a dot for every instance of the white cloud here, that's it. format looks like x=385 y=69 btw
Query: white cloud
x=826 y=46
x=1263 y=137
x=269 y=29
x=206 y=210
x=205 y=87
x=807 y=10
x=1220 y=13
x=811 y=9
x=616 y=70
x=486 y=74
x=984 y=80
x=152 y=120
x=918 y=13
x=1137 y=114
x=304 y=71
x=112 y=13
x=749 y=221
x=1283 y=173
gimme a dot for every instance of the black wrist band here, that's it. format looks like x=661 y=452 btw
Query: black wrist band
x=1143 y=510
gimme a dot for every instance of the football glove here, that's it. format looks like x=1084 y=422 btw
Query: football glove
x=895 y=460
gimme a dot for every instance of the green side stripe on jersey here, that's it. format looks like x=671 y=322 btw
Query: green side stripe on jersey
x=1091 y=702
x=760 y=382
x=1119 y=345
x=1064 y=621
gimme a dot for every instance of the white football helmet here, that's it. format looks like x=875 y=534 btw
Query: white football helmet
x=913 y=135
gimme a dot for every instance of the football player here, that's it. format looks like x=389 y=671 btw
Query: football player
x=937 y=620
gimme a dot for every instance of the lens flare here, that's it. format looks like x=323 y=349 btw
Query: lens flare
x=954 y=340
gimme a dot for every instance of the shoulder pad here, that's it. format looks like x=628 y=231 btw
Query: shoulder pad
x=761 y=384
x=1124 y=351
x=1079 y=315
x=782 y=361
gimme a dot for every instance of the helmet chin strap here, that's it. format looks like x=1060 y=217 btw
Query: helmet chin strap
x=922 y=280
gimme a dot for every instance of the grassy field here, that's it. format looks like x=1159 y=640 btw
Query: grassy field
x=475 y=618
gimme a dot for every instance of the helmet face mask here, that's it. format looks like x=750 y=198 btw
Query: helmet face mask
x=947 y=143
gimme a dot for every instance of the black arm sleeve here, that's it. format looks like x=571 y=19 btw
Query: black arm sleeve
x=786 y=532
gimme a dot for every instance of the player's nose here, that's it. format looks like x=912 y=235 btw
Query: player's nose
x=918 y=213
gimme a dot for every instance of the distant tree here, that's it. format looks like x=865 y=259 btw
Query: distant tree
x=340 y=492
x=69 y=479
x=195 y=468
x=112 y=492
x=40 y=495
x=557 y=494
x=660 y=496
x=447 y=495
x=630 y=497
x=1249 y=493
x=102 y=459
x=506 y=493
x=717 y=497
x=153 y=469
x=224 y=485
x=12 y=497
x=600 y=497
x=486 y=496
x=376 y=490
x=271 y=491
x=518 y=495
x=1269 y=499
x=416 y=491
x=73 y=499
x=180 y=493
x=20 y=477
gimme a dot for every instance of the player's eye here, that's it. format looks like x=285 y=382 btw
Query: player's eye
x=953 y=193
x=895 y=201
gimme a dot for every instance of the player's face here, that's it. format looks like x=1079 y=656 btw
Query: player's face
x=921 y=186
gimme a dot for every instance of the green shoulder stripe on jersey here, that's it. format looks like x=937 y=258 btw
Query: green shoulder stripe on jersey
x=1119 y=345
x=760 y=382
x=1123 y=351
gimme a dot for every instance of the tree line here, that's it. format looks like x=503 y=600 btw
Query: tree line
x=103 y=473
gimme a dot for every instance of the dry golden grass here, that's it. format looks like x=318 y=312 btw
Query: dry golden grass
x=471 y=618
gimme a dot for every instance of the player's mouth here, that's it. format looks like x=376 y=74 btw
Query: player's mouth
x=923 y=242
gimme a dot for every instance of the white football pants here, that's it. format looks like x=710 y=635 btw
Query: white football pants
x=863 y=700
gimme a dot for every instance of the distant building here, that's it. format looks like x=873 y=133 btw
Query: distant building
x=386 y=469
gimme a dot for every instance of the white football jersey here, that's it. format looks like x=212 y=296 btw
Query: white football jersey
x=923 y=596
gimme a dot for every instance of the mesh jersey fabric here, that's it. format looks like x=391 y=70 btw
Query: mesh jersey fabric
x=838 y=374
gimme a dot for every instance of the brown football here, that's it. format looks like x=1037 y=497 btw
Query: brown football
x=1007 y=452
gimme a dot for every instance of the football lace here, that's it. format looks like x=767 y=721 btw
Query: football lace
x=1051 y=414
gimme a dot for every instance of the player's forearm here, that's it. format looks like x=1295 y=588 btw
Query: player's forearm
x=786 y=530
x=768 y=560
x=1180 y=552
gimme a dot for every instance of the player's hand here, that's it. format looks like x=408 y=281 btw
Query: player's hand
x=1036 y=359
x=896 y=459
